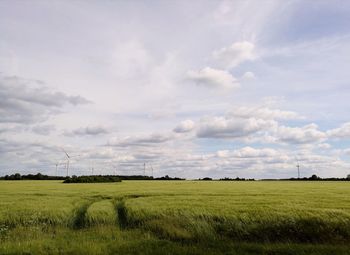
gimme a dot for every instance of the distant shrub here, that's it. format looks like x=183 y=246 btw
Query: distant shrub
x=92 y=179
x=168 y=178
x=314 y=177
x=206 y=179
x=134 y=177
x=236 y=179
x=144 y=177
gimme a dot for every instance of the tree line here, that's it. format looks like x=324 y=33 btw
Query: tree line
x=38 y=176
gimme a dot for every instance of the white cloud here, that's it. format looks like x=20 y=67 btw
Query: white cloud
x=131 y=59
x=221 y=127
x=213 y=78
x=342 y=132
x=184 y=127
x=223 y=153
x=234 y=16
x=249 y=152
x=231 y=56
x=161 y=114
x=324 y=146
x=254 y=124
x=263 y=113
x=300 y=135
x=248 y=76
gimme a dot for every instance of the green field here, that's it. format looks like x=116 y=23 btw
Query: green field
x=175 y=217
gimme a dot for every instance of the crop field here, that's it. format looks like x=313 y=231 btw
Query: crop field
x=175 y=217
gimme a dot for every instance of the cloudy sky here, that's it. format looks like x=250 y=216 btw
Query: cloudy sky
x=191 y=88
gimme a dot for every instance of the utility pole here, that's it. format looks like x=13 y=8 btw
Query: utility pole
x=144 y=169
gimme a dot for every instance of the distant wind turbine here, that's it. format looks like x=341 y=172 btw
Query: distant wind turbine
x=56 y=168
x=92 y=167
x=151 y=169
x=68 y=159
x=114 y=169
x=298 y=167
x=57 y=164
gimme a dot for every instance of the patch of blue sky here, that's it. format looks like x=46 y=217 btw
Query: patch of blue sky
x=308 y=20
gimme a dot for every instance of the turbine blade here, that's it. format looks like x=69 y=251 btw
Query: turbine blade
x=66 y=153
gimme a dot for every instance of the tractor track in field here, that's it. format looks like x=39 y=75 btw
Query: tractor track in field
x=192 y=228
x=79 y=218
x=79 y=215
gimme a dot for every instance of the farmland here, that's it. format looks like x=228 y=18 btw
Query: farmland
x=175 y=217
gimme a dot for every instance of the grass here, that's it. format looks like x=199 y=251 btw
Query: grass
x=178 y=217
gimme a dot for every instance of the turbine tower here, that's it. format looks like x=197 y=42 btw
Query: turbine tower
x=298 y=167
x=56 y=168
x=57 y=164
x=151 y=169
x=114 y=169
x=92 y=169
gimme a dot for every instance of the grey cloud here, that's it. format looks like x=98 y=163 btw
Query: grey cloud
x=76 y=100
x=18 y=146
x=43 y=129
x=147 y=156
x=7 y=146
x=100 y=154
x=28 y=101
x=144 y=140
x=87 y=131
x=4 y=129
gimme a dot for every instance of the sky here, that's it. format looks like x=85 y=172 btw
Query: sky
x=185 y=88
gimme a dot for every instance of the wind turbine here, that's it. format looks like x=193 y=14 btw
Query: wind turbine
x=151 y=169
x=114 y=169
x=56 y=168
x=68 y=159
x=57 y=164
x=91 y=167
x=298 y=167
